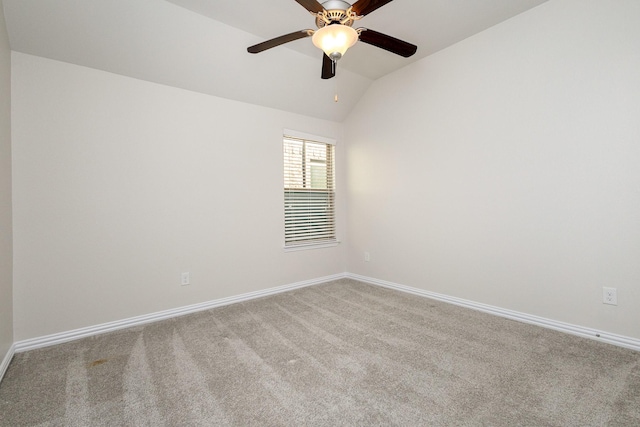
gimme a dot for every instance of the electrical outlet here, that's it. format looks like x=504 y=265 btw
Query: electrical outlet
x=367 y=257
x=610 y=296
x=185 y=279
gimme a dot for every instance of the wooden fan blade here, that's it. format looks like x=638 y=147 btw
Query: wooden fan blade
x=388 y=43
x=278 y=41
x=365 y=7
x=311 y=5
x=328 y=68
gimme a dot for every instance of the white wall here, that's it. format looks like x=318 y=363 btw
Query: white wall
x=506 y=169
x=6 y=251
x=121 y=184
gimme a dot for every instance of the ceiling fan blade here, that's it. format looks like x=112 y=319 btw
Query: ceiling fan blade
x=279 y=40
x=311 y=5
x=328 y=67
x=365 y=7
x=388 y=43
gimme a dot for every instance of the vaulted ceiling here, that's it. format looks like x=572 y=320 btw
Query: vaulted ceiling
x=200 y=45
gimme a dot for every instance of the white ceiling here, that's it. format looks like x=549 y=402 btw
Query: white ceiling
x=200 y=45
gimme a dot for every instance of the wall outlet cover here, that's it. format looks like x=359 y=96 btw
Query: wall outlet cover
x=610 y=296
x=184 y=279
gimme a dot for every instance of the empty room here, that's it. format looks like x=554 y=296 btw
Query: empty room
x=320 y=213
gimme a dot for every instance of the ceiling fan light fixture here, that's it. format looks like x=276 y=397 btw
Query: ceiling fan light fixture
x=335 y=39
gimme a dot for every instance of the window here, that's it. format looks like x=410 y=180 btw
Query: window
x=309 y=192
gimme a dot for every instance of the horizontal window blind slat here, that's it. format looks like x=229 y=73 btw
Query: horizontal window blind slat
x=309 y=237
x=304 y=225
x=308 y=194
x=320 y=210
x=301 y=228
x=291 y=238
x=297 y=213
x=300 y=218
x=315 y=232
x=307 y=229
x=309 y=216
x=309 y=242
x=298 y=207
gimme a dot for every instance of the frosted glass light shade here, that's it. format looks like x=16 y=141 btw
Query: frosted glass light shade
x=335 y=39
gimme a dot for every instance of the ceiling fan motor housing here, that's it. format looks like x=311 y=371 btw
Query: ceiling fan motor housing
x=336 y=11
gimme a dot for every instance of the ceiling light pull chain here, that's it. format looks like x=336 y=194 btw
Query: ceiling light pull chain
x=335 y=78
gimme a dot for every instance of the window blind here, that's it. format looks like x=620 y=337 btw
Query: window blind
x=309 y=192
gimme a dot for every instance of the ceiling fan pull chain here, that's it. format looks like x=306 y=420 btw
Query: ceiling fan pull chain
x=335 y=79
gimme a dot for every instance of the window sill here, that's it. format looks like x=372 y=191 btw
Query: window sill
x=295 y=248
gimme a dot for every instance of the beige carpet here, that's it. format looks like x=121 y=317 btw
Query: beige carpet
x=338 y=354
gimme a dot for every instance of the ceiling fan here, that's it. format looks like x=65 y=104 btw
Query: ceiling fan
x=334 y=19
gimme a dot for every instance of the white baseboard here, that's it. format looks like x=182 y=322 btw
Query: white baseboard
x=7 y=360
x=76 y=334
x=568 y=328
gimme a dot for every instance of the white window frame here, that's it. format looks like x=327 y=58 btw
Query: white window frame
x=310 y=244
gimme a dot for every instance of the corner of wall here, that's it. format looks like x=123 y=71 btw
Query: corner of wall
x=6 y=206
